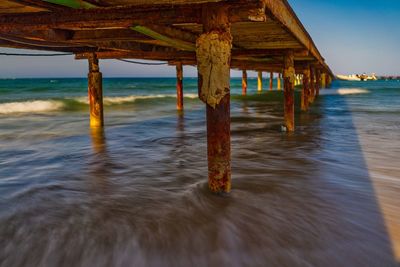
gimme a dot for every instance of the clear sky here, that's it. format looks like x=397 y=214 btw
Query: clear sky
x=354 y=36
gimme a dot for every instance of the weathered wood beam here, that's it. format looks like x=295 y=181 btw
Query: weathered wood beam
x=238 y=54
x=72 y=3
x=173 y=41
x=78 y=49
x=122 y=16
x=39 y=4
x=289 y=77
x=39 y=43
x=282 y=12
x=213 y=50
x=150 y=55
x=95 y=93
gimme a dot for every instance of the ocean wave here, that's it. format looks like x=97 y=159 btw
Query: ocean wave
x=35 y=106
x=115 y=100
x=344 y=91
x=77 y=103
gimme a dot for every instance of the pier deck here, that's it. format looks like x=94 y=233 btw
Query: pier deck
x=258 y=35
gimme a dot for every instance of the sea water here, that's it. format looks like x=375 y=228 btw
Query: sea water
x=135 y=193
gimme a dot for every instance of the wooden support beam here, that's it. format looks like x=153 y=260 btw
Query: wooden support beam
x=123 y=16
x=80 y=49
x=289 y=79
x=259 y=82
x=279 y=86
x=95 y=93
x=174 y=42
x=271 y=81
x=244 y=82
x=72 y=3
x=306 y=90
x=179 y=87
x=213 y=60
x=39 y=43
x=282 y=12
x=39 y=4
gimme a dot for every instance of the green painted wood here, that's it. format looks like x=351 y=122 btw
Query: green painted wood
x=72 y=3
x=173 y=42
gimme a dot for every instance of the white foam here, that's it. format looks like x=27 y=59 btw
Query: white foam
x=36 y=106
x=344 y=91
x=113 y=100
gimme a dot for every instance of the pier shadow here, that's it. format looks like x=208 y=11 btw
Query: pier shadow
x=320 y=204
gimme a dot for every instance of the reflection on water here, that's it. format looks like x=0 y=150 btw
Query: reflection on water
x=136 y=194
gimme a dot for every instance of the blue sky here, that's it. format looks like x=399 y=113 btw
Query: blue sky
x=354 y=36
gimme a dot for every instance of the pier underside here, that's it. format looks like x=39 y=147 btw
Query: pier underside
x=216 y=36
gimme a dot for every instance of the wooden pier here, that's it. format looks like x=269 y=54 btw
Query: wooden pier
x=216 y=36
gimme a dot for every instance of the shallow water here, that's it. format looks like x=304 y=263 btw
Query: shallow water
x=136 y=193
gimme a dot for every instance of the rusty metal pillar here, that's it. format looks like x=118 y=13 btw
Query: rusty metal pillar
x=214 y=89
x=323 y=80
x=179 y=86
x=244 y=82
x=289 y=79
x=311 y=96
x=318 y=83
x=279 y=86
x=306 y=89
x=259 y=82
x=271 y=81
x=95 y=92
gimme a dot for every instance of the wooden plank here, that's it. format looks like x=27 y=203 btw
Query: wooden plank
x=174 y=42
x=281 y=10
x=39 y=4
x=121 y=16
x=72 y=3
x=78 y=49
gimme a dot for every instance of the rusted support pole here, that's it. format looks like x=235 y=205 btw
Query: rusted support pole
x=244 y=82
x=289 y=79
x=259 y=82
x=318 y=84
x=306 y=89
x=271 y=81
x=312 y=86
x=95 y=92
x=279 y=86
x=179 y=86
x=213 y=51
x=323 y=80
x=329 y=81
